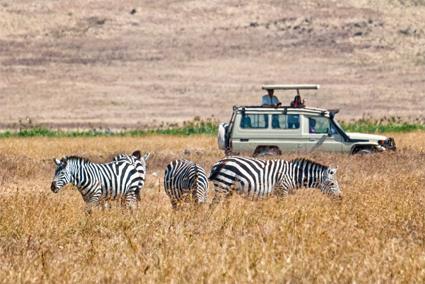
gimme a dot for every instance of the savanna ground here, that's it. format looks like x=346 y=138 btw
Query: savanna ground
x=91 y=63
x=137 y=64
x=377 y=233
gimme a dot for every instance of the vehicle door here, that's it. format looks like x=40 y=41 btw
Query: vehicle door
x=250 y=130
x=286 y=131
x=320 y=135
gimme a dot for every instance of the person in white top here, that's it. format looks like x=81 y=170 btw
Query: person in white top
x=270 y=100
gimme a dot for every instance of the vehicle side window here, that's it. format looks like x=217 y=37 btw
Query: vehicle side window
x=285 y=121
x=256 y=121
x=319 y=125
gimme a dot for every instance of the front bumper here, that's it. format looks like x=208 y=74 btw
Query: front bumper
x=389 y=144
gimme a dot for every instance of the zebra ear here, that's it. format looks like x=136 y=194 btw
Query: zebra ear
x=137 y=154
x=57 y=162
x=146 y=156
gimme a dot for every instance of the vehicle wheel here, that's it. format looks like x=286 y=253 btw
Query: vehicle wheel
x=267 y=151
x=364 y=152
x=230 y=153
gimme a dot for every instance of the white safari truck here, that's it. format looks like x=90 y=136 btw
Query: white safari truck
x=267 y=130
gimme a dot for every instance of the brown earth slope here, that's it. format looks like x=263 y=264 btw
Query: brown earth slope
x=134 y=63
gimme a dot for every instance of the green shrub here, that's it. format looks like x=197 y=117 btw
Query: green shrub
x=210 y=127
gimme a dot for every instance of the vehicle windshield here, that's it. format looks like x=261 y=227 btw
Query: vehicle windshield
x=321 y=125
x=337 y=124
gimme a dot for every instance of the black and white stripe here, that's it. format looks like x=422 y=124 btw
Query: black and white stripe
x=259 y=178
x=183 y=177
x=139 y=163
x=119 y=179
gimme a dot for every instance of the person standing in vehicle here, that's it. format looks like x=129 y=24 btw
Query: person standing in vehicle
x=270 y=100
x=298 y=102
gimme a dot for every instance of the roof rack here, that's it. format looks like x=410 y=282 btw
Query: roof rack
x=291 y=87
x=301 y=109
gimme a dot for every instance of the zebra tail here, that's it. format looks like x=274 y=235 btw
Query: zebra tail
x=137 y=192
x=196 y=174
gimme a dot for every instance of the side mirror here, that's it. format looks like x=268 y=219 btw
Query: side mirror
x=329 y=132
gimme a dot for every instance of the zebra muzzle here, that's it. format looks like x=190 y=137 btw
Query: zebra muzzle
x=53 y=187
x=338 y=197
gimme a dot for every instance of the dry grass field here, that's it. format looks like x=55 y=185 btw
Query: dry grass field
x=376 y=234
x=91 y=63
x=135 y=64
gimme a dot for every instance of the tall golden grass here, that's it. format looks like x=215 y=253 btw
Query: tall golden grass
x=377 y=233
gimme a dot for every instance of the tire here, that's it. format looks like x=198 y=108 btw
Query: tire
x=266 y=151
x=364 y=152
x=230 y=153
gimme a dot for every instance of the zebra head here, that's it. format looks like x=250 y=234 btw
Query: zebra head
x=62 y=176
x=329 y=184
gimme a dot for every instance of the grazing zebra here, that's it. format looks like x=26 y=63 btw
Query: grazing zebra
x=258 y=178
x=184 y=177
x=118 y=179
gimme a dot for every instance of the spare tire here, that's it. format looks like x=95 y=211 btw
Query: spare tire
x=221 y=138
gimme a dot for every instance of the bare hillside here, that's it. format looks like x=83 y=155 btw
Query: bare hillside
x=137 y=63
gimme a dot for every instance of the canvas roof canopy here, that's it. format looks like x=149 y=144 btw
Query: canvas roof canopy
x=291 y=87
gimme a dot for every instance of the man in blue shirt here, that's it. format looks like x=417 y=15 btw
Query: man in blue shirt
x=270 y=100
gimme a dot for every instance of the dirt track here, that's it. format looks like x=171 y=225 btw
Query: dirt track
x=91 y=63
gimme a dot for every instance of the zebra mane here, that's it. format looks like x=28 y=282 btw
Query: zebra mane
x=82 y=159
x=304 y=160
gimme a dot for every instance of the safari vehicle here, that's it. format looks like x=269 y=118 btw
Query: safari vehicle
x=273 y=130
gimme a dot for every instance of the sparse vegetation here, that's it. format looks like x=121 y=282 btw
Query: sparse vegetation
x=187 y=128
x=392 y=124
x=209 y=127
x=376 y=234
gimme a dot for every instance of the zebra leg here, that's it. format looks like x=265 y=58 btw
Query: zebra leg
x=285 y=187
x=138 y=195
x=93 y=199
x=131 y=200
x=174 y=203
x=90 y=204
x=199 y=200
x=220 y=194
x=88 y=209
x=195 y=197
x=137 y=191
x=106 y=205
x=280 y=191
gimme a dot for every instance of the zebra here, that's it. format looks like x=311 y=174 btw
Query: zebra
x=183 y=177
x=97 y=183
x=134 y=158
x=139 y=162
x=260 y=178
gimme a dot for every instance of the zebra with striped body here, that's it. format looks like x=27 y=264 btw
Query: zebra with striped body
x=139 y=163
x=259 y=178
x=183 y=177
x=118 y=179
